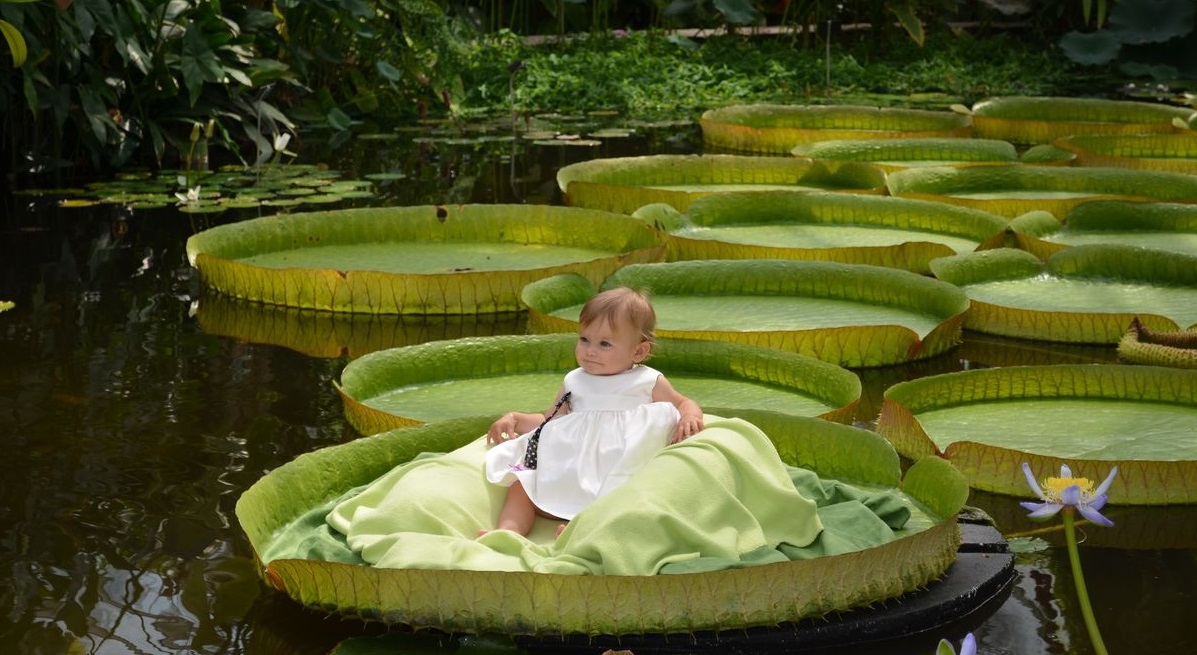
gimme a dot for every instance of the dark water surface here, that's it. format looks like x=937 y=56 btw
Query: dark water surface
x=133 y=415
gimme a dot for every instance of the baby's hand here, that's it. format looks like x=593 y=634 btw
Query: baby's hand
x=502 y=429
x=687 y=426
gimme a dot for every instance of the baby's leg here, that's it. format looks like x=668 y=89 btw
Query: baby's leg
x=518 y=511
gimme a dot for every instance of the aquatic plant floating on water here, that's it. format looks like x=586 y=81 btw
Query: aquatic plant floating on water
x=968 y=646
x=1065 y=495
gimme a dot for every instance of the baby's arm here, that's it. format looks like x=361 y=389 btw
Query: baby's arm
x=513 y=424
x=690 y=422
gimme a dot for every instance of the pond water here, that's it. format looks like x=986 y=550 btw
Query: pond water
x=133 y=416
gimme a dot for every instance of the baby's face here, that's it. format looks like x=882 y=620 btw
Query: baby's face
x=604 y=349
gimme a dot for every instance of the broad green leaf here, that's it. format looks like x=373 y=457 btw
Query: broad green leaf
x=908 y=17
x=766 y=128
x=627 y=183
x=1152 y=21
x=1176 y=153
x=1084 y=294
x=897 y=154
x=848 y=314
x=1033 y=120
x=1013 y=190
x=546 y=604
x=988 y=421
x=16 y=43
x=1091 y=48
x=445 y=259
x=492 y=375
x=1155 y=225
x=847 y=228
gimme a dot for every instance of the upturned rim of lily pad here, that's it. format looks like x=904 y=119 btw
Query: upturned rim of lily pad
x=899 y=154
x=852 y=346
x=997 y=469
x=1173 y=153
x=216 y=254
x=540 y=604
x=377 y=374
x=1037 y=119
x=777 y=128
x=1034 y=231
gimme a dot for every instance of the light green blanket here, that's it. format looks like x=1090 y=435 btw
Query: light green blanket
x=721 y=499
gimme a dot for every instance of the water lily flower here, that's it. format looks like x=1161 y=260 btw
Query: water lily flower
x=967 y=647
x=1067 y=491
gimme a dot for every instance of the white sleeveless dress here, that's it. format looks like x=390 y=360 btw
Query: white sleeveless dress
x=613 y=428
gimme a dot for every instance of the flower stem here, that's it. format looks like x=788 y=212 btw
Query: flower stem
x=1078 y=577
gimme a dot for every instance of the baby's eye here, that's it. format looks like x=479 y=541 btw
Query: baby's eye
x=583 y=340
x=605 y=344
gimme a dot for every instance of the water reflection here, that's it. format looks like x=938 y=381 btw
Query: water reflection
x=133 y=413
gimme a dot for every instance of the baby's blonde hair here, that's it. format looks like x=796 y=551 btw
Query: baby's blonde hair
x=622 y=305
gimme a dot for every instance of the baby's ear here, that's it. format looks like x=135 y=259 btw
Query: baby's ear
x=642 y=351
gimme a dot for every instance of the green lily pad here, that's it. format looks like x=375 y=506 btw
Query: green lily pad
x=1142 y=345
x=518 y=603
x=851 y=315
x=899 y=154
x=1175 y=153
x=848 y=228
x=625 y=184
x=1155 y=225
x=493 y=375
x=1043 y=120
x=988 y=421
x=1085 y=294
x=766 y=128
x=444 y=259
x=331 y=335
x=1013 y=190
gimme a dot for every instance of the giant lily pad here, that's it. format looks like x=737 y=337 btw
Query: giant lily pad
x=551 y=604
x=853 y=229
x=988 y=421
x=1156 y=225
x=1142 y=345
x=448 y=379
x=1043 y=120
x=899 y=154
x=1085 y=294
x=1014 y=190
x=331 y=335
x=627 y=183
x=1176 y=153
x=444 y=259
x=765 y=128
x=852 y=315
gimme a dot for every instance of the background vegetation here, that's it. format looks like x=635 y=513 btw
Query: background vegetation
x=94 y=85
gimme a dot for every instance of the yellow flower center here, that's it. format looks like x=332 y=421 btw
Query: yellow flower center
x=1053 y=487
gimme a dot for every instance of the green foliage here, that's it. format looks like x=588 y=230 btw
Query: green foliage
x=1145 y=38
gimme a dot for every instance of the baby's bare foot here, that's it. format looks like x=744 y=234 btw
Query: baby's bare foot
x=561 y=528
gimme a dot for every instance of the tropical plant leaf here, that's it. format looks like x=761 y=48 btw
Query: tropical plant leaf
x=1030 y=120
x=846 y=314
x=546 y=604
x=988 y=421
x=847 y=228
x=908 y=17
x=898 y=154
x=1152 y=21
x=1141 y=345
x=1013 y=190
x=1175 y=153
x=492 y=375
x=1155 y=225
x=766 y=128
x=16 y=43
x=1083 y=294
x=1091 y=48
x=625 y=184
x=445 y=259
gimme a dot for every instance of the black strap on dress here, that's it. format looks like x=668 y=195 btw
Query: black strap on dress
x=534 y=440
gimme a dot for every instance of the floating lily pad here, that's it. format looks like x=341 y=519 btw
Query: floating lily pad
x=1013 y=190
x=1042 y=120
x=625 y=184
x=848 y=314
x=1176 y=153
x=1142 y=345
x=988 y=421
x=492 y=375
x=899 y=154
x=332 y=335
x=1085 y=294
x=444 y=259
x=517 y=603
x=1156 y=225
x=766 y=128
x=847 y=228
